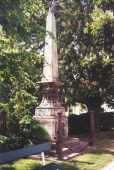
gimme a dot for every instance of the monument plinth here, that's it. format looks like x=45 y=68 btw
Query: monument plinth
x=50 y=111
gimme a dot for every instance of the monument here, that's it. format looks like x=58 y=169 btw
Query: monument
x=50 y=113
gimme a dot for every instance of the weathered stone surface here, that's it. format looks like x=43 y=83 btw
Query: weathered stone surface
x=50 y=123
x=50 y=70
x=47 y=113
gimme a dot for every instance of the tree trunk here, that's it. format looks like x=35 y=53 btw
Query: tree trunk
x=92 y=127
x=94 y=110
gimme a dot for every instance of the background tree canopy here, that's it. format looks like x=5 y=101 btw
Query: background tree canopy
x=85 y=38
x=21 y=38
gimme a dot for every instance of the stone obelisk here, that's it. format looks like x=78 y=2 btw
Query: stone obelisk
x=50 y=70
x=50 y=113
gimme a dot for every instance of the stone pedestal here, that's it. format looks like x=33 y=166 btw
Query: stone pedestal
x=50 y=123
x=50 y=112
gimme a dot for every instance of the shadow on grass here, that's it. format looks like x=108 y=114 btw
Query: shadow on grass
x=68 y=166
x=101 y=151
x=72 y=165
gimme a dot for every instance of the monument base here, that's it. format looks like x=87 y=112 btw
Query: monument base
x=50 y=123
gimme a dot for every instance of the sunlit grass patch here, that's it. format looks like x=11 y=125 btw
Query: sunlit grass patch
x=22 y=164
x=92 y=161
x=88 y=161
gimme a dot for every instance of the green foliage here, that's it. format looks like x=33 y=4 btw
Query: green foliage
x=20 y=61
x=99 y=18
x=4 y=139
x=11 y=143
x=85 y=36
x=32 y=131
x=28 y=131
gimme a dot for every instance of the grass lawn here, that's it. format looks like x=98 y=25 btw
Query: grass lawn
x=88 y=161
x=91 y=159
x=23 y=164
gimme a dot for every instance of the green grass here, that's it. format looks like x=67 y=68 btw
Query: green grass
x=23 y=164
x=88 y=161
x=92 y=159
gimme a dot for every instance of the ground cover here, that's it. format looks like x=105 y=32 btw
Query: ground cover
x=88 y=161
x=91 y=159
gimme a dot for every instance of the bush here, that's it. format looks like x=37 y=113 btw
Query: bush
x=11 y=143
x=16 y=143
x=31 y=130
x=4 y=141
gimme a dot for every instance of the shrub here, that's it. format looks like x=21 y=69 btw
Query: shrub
x=4 y=141
x=31 y=130
x=11 y=143
x=16 y=143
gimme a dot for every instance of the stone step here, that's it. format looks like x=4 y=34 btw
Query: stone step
x=69 y=150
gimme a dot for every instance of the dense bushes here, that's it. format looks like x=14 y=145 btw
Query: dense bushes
x=81 y=123
x=29 y=132
x=11 y=143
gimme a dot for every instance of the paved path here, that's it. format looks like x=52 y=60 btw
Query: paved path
x=71 y=148
x=110 y=166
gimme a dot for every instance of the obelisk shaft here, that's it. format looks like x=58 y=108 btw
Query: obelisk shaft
x=50 y=69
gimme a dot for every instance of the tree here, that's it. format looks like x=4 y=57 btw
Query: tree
x=21 y=36
x=85 y=37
